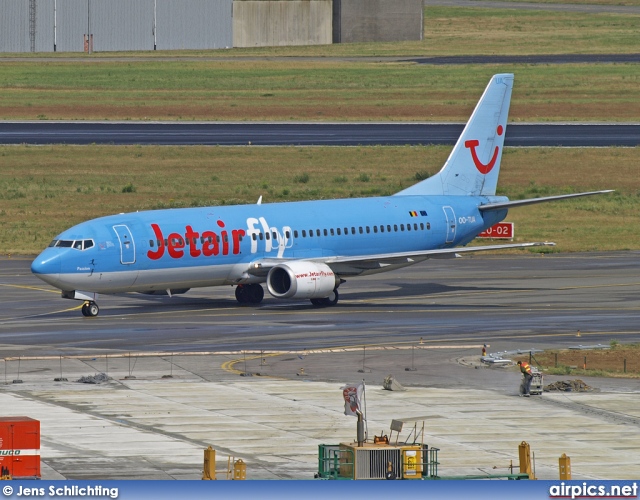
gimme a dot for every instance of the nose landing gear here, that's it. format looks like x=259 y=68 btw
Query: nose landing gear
x=90 y=309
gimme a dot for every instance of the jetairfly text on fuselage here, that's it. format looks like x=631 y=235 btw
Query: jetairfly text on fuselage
x=209 y=243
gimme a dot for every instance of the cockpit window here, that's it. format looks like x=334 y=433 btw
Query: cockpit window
x=77 y=244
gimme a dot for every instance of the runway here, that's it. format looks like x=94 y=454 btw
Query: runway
x=423 y=325
x=309 y=134
x=531 y=299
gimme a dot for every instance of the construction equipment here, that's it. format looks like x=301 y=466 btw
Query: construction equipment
x=536 y=387
x=381 y=459
x=236 y=472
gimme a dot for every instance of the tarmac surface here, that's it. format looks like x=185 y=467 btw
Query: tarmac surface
x=263 y=383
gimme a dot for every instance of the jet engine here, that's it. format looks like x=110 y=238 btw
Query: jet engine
x=301 y=280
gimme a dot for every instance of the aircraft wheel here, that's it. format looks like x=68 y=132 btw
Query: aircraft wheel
x=242 y=294
x=85 y=309
x=332 y=299
x=92 y=309
x=255 y=293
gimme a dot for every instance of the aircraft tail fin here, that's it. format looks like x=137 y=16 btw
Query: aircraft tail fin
x=474 y=163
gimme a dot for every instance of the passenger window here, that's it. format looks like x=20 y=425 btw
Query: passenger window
x=339 y=233
x=295 y=233
x=375 y=229
x=254 y=236
x=401 y=227
x=382 y=229
x=408 y=227
x=332 y=232
x=428 y=225
x=415 y=226
x=326 y=233
x=261 y=236
x=368 y=229
x=287 y=234
x=304 y=233
x=151 y=243
x=310 y=233
x=353 y=230
x=395 y=227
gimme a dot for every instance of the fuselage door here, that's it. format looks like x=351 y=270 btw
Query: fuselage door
x=451 y=223
x=127 y=245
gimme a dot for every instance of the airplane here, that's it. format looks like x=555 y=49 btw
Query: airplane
x=301 y=250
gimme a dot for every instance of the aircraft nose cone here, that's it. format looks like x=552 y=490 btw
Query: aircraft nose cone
x=46 y=266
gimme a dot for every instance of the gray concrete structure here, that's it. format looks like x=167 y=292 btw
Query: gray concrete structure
x=115 y=25
x=194 y=24
x=26 y=26
x=120 y=25
x=264 y=23
x=377 y=20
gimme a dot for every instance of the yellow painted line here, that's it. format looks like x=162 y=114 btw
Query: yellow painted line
x=228 y=366
x=31 y=288
x=598 y=286
x=31 y=316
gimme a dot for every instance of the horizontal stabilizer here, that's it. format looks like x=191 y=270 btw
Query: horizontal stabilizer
x=519 y=203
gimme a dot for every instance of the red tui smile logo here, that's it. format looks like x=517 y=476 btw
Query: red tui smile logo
x=482 y=168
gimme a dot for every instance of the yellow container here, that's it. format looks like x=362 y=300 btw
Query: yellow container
x=239 y=470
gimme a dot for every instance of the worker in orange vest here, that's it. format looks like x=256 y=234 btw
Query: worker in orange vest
x=525 y=368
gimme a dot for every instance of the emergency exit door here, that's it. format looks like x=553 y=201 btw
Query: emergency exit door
x=451 y=223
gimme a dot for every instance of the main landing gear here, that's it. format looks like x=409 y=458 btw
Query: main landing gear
x=331 y=300
x=249 y=294
x=90 y=309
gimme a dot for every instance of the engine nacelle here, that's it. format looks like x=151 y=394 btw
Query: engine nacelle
x=301 y=280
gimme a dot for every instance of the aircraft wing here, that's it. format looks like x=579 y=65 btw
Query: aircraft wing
x=354 y=265
x=518 y=203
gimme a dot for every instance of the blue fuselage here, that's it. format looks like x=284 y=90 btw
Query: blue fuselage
x=186 y=248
